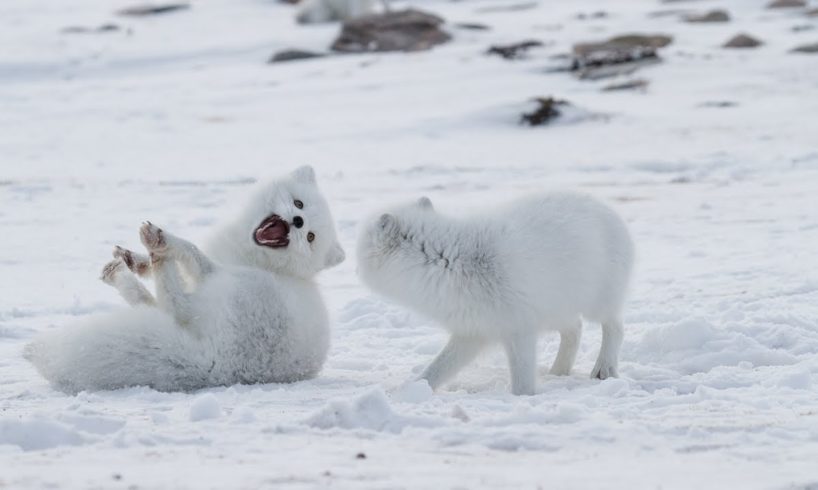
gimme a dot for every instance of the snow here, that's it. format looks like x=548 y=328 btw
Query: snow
x=205 y=407
x=173 y=118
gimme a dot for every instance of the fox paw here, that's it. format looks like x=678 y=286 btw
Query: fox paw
x=604 y=371
x=154 y=240
x=111 y=269
x=138 y=264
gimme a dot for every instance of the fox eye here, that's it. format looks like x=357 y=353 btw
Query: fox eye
x=298 y=204
x=310 y=237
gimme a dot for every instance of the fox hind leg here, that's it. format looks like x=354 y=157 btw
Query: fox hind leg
x=607 y=364
x=116 y=274
x=458 y=352
x=138 y=263
x=567 y=354
x=170 y=287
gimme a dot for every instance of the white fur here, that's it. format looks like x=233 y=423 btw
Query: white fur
x=252 y=316
x=321 y=11
x=539 y=263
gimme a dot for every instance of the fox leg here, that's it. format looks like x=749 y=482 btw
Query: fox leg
x=569 y=345
x=458 y=352
x=521 y=350
x=138 y=263
x=607 y=364
x=166 y=252
x=116 y=274
x=195 y=263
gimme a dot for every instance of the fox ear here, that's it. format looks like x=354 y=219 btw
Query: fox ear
x=425 y=203
x=387 y=222
x=335 y=256
x=304 y=174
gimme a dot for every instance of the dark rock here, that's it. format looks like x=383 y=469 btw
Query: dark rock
x=637 y=83
x=806 y=48
x=600 y=14
x=625 y=42
x=91 y=30
x=719 y=104
x=294 y=54
x=783 y=4
x=742 y=41
x=802 y=28
x=472 y=26
x=712 y=16
x=617 y=56
x=151 y=9
x=657 y=14
x=547 y=109
x=514 y=51
x=360 y=456
x=812 y=13
x=515 y=7
x=405 y=30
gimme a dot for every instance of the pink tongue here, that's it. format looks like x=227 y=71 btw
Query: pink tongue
x=277 y=231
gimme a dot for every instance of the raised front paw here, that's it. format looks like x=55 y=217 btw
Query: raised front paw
x=111 y=269
x=137 y=263
x=153 y=238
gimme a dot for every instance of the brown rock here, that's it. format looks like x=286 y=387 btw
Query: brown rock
x=712 y=16
x=514 y=51
x=546 y=110
x=618 y=56
x=625 y=42
x=472 y=26
x=405 y=30
x=806 y=48
x=742 y=41
x=637 y=83
x=293 y=55
x=783 y=4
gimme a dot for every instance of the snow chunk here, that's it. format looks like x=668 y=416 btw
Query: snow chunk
x=37 y=434
x=369 y=411
x=413 y=392
x=205 y=407
x=243 y=415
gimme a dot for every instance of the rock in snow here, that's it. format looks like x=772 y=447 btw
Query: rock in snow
x=712 y=16
x=152 y=9
x=806 y=48
x=405 y=30
x=293 y=55
x=742 y=41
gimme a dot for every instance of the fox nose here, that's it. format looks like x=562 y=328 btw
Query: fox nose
x=298 y=221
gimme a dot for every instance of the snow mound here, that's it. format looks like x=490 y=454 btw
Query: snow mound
x=413 y=392
x=205 y=407
x=696 y=346
x=370 y=411
x=38 y=434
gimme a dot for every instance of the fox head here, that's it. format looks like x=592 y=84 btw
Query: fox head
x=286 y=227
x=391 y=240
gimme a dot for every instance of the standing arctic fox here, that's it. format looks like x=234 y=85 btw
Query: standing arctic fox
x=540 y=263
x=254 y=315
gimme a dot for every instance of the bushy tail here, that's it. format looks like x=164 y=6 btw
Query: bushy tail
x=136 y=347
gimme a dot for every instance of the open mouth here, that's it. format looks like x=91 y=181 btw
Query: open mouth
x=273 y=232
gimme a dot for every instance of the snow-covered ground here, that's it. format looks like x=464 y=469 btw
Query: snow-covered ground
x=172 y=118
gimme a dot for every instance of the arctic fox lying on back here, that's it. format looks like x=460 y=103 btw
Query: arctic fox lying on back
x=540 y=263
x=252 y=316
